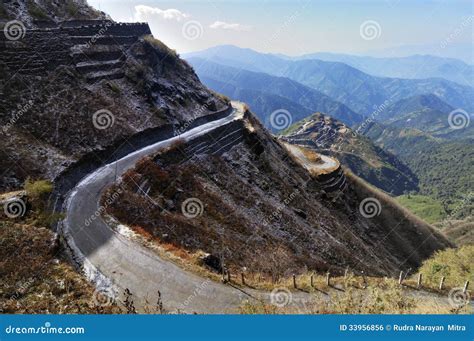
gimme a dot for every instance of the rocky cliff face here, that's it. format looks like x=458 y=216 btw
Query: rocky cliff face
x=74 y=89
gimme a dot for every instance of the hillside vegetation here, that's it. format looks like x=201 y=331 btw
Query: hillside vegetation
x=454 y=264
x=443 y=167
x=423 y=206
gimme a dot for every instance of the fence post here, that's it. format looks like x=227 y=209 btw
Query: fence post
x=228 y=276
x=465 y=287
x=328 y=278
x=441 y=283
x=420 y=276
x=400 y=278
x=365 y=280
x=242 y=277
x=294 y=281
x=312 y=281
x=346 y=272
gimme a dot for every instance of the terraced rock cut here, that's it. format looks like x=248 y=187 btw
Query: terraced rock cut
x=98 y=50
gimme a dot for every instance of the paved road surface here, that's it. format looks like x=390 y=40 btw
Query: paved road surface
x=327 y=165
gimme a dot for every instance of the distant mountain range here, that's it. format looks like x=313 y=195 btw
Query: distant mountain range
x=417 y=131
x=412 y=67
x=427 y=113
x=359 y=91
x=265 y=93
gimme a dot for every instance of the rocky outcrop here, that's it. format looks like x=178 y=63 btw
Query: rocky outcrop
x=326 y=135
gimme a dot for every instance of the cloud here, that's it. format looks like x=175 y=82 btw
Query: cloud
x=143 y=13
x=228 y=26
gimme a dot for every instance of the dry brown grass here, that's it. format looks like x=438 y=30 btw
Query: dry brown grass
x=383 y=297
x=311 y=155
x=35 y=279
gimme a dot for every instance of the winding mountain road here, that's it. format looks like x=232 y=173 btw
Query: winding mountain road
x=114 y=262
x=327 y=164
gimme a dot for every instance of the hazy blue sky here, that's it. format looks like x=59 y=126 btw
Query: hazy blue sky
x=304 y=26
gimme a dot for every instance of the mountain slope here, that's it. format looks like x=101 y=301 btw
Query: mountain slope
x=429 y=114
x=415 y=103
x=247 y=190
x=241 y=58
x=231 y=81
x=326 y=135
x=443 y=166
x=85 y=99
x=361 y=92
x=263 y=103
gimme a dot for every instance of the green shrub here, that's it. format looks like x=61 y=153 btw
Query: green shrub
x=38 y=193
x=71 y=8
x=455 y=265
x=36 y=12
x=37 y=190
x=159 y=45
x=3 y=12
x=424 y=207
